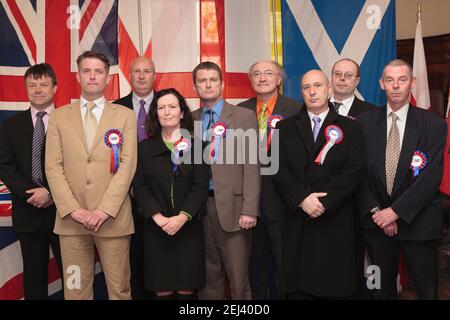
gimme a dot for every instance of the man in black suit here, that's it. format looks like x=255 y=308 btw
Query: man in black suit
x=142 y=77
x=266 y=77
x=22 y=158
x=345 y=78
x=399 y=200
x=321 y=167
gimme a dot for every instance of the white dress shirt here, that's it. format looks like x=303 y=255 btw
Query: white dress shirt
x=402 y=114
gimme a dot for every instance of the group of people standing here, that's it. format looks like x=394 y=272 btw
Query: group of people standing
x=124 y=179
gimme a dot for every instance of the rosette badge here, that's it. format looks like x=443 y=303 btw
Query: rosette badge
x=114 y=139
x=333 y=135
x=272 y=124
x=418 y=162
x=219 y=131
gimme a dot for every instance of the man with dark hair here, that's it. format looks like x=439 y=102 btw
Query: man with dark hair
x=234 y=188
x=142 y=78
x=22 y=158
x=265 y=77
x=90 y=163
x=399 y=201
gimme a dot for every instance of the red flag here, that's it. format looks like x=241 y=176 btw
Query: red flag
x=445 y=183
x=420 y=93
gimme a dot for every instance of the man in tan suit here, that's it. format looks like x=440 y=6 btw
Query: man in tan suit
x=234 y=189
x=90 y=193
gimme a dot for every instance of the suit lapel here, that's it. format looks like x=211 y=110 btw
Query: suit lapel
x=380 y=138
x=303 y=124
x=77 y=122
x=227 y=115
x=108 y=115
x=410 y=140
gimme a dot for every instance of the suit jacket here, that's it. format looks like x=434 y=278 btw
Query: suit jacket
x=16 y=136
x=312 y=246
x=126 y=101
x=359 y=106
x=272 y=206
x=80 y=178
x=236 y=186
x=415 y=199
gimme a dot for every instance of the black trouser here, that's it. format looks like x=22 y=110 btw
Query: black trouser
x=266 y=254
x=420 y=258
x=35 y=256
x=137 y=281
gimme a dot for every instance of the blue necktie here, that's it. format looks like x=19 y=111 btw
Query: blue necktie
x=316 y=128
x=37 y=174
x=142 y=118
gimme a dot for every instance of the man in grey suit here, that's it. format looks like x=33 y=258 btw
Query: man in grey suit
x=266 y=77
x=232 y=205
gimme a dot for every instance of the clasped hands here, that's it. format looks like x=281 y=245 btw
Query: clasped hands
x=312 y=205
x=170 y=225
x=40 y=197
x=91 y=220
x=386 y=219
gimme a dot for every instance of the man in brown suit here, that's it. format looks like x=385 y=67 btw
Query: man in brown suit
x=91 y=195
x=234 y=188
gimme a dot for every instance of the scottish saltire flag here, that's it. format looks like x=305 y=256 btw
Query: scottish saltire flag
x=316 y=33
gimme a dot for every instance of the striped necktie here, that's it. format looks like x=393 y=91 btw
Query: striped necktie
x=37 y=174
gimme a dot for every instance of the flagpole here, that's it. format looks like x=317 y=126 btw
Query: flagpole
x=419 y=12
x=140 y=27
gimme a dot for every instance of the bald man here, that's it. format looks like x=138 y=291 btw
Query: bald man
x=142 y=77
x=318 y=260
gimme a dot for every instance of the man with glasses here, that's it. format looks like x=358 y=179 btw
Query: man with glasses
x=265 y=77
x=345 y=78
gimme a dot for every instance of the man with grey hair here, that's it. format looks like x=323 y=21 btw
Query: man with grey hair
x=265 y=77
x=399 y=201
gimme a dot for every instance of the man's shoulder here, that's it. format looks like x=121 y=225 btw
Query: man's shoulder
x=16 y=118
x=126 y=101
x=249 y=103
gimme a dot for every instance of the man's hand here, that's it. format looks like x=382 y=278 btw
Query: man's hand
x=80 y=215
x=96 y=220
x=40 y=198
x=174 y=224
x=384 y=217
x=246 y=221
x=391 y=229
x=312 y=205
x=160 y=220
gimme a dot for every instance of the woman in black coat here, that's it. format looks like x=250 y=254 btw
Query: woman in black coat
x=170 y=191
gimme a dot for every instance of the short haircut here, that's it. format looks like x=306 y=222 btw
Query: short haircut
x=94 y=55
x=41 y=70
x=358 y=69
x=154 y=127
x=206 y=65
x=398 y=63
x=281 y=70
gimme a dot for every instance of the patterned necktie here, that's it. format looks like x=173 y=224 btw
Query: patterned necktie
x=392 y=153
x=142 y=118
x=90 y=123
x=37 y=148
x=316 y=128
x=336 y=106
x=262 y=121
x=207 y=134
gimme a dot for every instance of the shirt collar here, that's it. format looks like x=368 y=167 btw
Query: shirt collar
x=217 y=108
x=100 y=102
x=347 y=103
x=401 y=113
x=48 y=110
x=270 y=104
x=322 y=116
x=148 y=98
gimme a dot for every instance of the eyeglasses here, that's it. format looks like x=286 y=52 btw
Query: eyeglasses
x=268 y=74
x=347 y=75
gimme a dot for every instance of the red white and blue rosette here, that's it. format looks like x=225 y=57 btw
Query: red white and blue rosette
x=271 y=124
x=114 y=139
x=333 y=135
x=219 y=130
x=418 y=162
x=180 y=148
